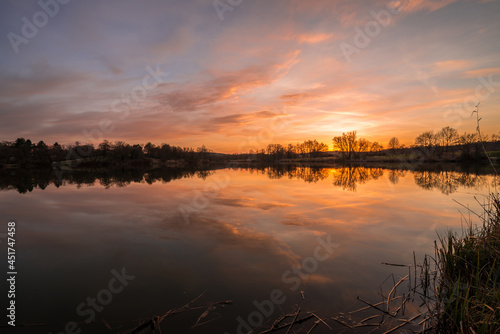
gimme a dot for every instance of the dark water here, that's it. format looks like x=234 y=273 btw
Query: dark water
x=125 y=246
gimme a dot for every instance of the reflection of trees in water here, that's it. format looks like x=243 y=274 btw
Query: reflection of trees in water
x=495 y=183
x=345 y=177
x=308 y=174
x=275 y=173
x=448 y=181
x=349 y=177
x=395 y=174
x=25 y=181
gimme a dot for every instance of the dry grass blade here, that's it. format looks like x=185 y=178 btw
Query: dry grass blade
x=297 y=321
x=279 y=320
x=154 y=322
x=369 y=318
x=293 y=320
x=427 y=318
x=392 y=290
x=108 y=326
x=405 y=322
x=468 y=209
x=342 y=323
x=395 y=265
x=313 y=327
x=208 y=321
x=321 y=320
x=375 y=307
x=375 y=324
x=204 y=314
x=415 y=266
x=402 y=306
x=368 y=307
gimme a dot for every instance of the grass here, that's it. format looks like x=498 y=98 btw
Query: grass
x=494 y=154
x=468 y=280
x=456 y=291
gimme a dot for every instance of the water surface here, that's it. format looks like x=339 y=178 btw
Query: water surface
x=238 y=234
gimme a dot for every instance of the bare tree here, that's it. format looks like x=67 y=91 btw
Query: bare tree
x=393 y=144
x=363 y=145
x=495 y=137
x=448 y=136
x=346 y=144
x=468 y=142
x=376 y=147
x=426 y=139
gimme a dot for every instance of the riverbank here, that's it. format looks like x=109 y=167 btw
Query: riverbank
x=468 y=281
x=456 y=290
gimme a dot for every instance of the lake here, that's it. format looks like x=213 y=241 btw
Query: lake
x=128 y=245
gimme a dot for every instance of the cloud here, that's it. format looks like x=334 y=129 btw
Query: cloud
x=38 y=79
x=408 y=6
x=177 y=42
x=220 y=86
x=250 y=203
x=296 y=98
x=229 y=80
x=313 y=38
x=241 y=118
x=111 y=66
x=482 y=72
x=452 y=65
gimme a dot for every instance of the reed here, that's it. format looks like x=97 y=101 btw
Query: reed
x=468 y=284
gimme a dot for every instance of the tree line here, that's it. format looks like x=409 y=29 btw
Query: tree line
x=276 y=152
x=22 y=152
x=445 y=142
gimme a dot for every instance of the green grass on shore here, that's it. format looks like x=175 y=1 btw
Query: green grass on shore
x=468 y=282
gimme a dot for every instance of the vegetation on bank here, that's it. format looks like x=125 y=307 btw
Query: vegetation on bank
x=445 y=145
x=468 y=281
x=23 y=153
x=455 y=291
x=460 y=286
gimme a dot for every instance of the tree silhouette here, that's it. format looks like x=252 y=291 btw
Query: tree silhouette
x=346 y=144
x=468 y=143
x=448 y=136
x=393 y=144
x=376 y=147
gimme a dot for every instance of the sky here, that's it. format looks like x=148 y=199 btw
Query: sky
x=236 y=75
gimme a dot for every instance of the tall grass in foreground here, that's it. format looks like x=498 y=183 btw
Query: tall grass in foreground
x=459 y=288
x=468 y=280
x=468 y=283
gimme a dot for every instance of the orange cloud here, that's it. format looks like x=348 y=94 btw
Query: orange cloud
x=482 y=72
x=452 y=65
x=419 y=5
x=313 y=38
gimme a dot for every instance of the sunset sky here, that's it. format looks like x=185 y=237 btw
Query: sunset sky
x=240 y=74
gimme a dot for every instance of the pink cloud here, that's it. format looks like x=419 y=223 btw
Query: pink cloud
x=313 y=38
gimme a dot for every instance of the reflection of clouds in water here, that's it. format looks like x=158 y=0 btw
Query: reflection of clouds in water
x=230 y=236
x=251 y=203
x=251 y=232
x=295 y=219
